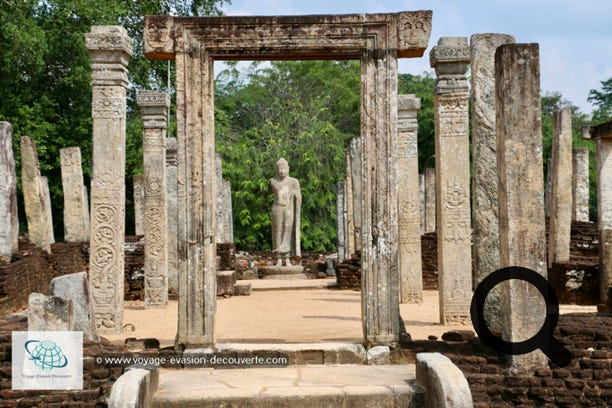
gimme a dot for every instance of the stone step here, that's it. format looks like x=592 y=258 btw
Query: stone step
x=292 y=386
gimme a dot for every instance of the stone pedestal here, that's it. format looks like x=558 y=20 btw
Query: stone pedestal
x=9 y=223
x=154 y=110
x=76 y=211
x=430 y=199
x=521 y=196
x=560 y=221
x=485 y=248
x=409 y=214
x=40 y=225
x=172 y=213
x=138 y=183
x=110 y=49
x=450 y=58
x=580 y=190
x=282 y=272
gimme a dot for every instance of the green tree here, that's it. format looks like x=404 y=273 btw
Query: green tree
x=45 y=71
x=305 y=111
x=602 y=99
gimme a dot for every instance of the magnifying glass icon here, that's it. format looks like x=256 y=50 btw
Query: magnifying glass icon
x=543 y=339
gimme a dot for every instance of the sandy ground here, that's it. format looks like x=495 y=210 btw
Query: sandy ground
x=289 y=316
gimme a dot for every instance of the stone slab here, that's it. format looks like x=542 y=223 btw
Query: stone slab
x=445 y=385
x=75 y=287
x=49 y=313
x=294 y=386
x=9 y=223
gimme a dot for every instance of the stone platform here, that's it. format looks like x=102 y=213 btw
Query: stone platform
x=282 y=272
x=292 y=386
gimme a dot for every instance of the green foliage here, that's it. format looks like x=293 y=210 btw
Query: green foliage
x=45 y=71
x=304 y=111
x=602 y=99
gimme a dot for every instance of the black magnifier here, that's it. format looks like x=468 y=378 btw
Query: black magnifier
x=543 y=339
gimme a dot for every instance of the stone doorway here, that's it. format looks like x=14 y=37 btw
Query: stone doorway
x=377 y=40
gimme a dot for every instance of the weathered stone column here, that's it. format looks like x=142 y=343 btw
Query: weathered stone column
x=350 y=207
x=355 y=153
x=197 y=192
x=580 y=190
x=224 y=205
x=560 y=221
x=450 y=58
x=40 y=226
x=110 y=49
x=340 y=221
x=548 y=186
x=430 y=199
x=76 y=211
x=172 y=210
x=409 y=214
x=139 y=193
x=422 y=202
x=521 y=197
x=47 y=204
x=485 y=248
x=9 y=222
x=603 y=136
x=154 y=110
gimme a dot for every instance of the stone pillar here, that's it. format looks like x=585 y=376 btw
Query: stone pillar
x=172 y=213
x=521 y=197
x=450 y=58
x=341 y=221
x=430 y=199
x=355 y=153
x=224 y=205
x=379 y=229
x=485 y=248
x=47 y=205
x=350 y=207
x=9 y=223
x=197 y=192
x=548 y=193
x=76 y=211
x=422 y=202
x=560 y=221
x=580 y=190
x=154 y=110
x=110 y=49
x=409 y=214
x=139 y=193
x=603 y=136
x=40 y=226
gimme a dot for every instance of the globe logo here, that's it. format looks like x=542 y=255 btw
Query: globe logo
x=46 y=354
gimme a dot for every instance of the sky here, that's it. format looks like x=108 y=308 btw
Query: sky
x=575 y=36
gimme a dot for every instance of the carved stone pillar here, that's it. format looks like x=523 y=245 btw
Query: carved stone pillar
x=154 y=111
x=110 y=49
x=580 y=190
x=430 y=199
x=450 y=58
x=411 y=274
x=522 y=231
x=172 y=212
x=138 y=186
x=76 y=211
x=350 y=208
x=340 y=221
x=356 y=183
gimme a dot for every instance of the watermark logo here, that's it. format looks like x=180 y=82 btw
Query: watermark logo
x=47 y=360
x=543 y=339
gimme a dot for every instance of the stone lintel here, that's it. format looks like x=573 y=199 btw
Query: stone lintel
x=601 y=131
x=291 y=37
